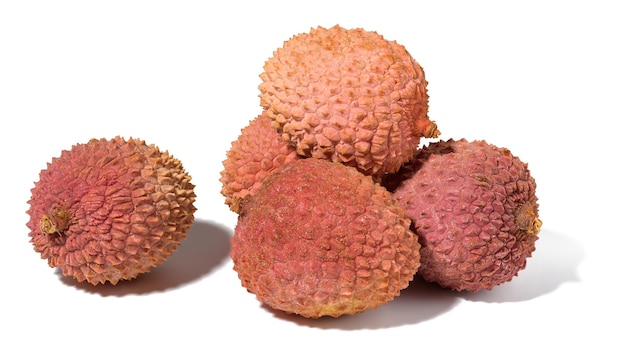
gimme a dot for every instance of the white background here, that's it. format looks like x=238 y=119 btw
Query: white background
x=544 y=78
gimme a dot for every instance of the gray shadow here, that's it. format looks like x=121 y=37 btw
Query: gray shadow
x=420 y=302
x=206 y=247
x=554 y=262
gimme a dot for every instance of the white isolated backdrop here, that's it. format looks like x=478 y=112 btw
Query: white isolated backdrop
x=542 y=78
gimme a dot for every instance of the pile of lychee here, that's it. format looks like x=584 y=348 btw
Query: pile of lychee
x=339 y=207
x=339 y=204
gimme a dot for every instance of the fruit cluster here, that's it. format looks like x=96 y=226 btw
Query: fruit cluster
x=338 y=205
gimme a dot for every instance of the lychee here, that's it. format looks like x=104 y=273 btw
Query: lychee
x=109 y=210
x=474 y=208
x=322 y=239
x=348 y=95
x=258 y=151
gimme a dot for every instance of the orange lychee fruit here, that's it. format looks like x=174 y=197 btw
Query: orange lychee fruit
x=257 y=152
x=348 y=95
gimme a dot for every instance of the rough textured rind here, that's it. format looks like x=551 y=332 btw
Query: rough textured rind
x=258 y=151
x=322 y=239
x=348 y=95
x=475 y=210
x=109 y=210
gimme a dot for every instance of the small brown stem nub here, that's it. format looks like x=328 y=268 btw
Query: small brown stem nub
x=56 y=222
x=431 y=131
x=527 y=219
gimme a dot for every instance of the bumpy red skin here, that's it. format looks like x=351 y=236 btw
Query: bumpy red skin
x=348 y=95
x=475 y=211
x=257 y=152
x=322 y=239
x=128 y=206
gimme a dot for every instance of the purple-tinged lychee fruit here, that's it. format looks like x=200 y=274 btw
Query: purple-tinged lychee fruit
x=110 y=210
x=258 y=151
x=322 y=239
x=475 y=210
x=348 y=95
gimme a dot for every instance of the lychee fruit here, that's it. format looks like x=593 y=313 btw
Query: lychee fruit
x=348 y=95
x=322 y=239
x=474 y=208
x=258 y=151
x=110 y=210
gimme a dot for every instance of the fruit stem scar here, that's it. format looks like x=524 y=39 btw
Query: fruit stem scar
x=56 y=222
x=527 y=220
x=431 y=131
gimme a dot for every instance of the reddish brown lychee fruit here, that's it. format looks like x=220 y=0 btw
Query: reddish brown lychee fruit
x=322 y=239
x=258 y=151
x=348 y=95
x=109 y=210
x=475 y=210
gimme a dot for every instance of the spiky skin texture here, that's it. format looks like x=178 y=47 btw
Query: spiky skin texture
x=258 y=151
x=109 y=210
x=321 y=239
x=348 y=95
x=475 y=210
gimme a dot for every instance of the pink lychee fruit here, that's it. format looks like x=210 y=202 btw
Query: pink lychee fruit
x=322 y=239
x=110 y=210
x=474 y=208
